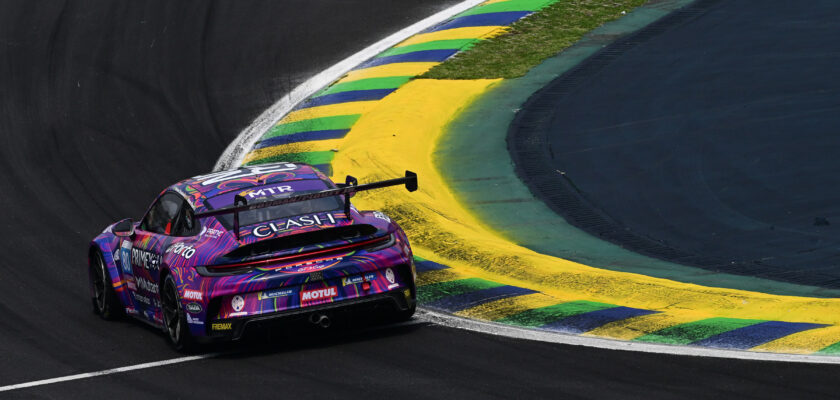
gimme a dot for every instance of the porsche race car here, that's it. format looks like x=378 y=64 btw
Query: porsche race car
x=217 y=253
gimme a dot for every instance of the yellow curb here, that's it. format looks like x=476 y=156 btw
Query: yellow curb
x=499 y=309
x=402 y=132
x=632 y=328
x=806 y=342
x=382 y=71
x=480 y=32
x=301 y=147
x=332 y=110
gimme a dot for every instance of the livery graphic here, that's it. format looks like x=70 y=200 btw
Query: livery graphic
x=266 y=242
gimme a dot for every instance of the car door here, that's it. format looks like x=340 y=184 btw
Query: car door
x=150 y=241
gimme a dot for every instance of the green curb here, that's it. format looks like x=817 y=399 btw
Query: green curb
x=311 y=157
x=435 y=291
x=512 y=5
x=544 y=315
x=388 y=82
x=698 y=330
x=315 y=124
x=460 y=44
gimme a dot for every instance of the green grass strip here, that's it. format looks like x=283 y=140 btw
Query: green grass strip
x=461 y=44
x=310 y=157
x=833 y=349
x=314 y=124
x=388 y=82
x=697 y=330
x=510 y=5
x=435 y=291
x=531 y=40
x=544 y=315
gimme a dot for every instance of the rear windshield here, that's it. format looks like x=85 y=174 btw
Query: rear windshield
x=273 y=191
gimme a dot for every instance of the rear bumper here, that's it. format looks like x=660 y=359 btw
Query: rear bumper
x=235 y=328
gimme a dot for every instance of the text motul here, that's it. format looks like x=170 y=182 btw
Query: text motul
x=318 y=294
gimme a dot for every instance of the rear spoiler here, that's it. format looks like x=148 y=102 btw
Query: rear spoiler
x=350 y=186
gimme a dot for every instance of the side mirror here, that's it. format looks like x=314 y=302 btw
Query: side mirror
x=124 y=228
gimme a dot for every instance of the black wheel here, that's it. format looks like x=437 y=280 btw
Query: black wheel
x=105 y=301
x=174 y=319
x=403 y=315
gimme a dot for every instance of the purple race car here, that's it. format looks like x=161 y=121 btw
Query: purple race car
x=217 y=253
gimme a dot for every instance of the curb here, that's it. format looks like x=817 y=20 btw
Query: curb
x=366 y=119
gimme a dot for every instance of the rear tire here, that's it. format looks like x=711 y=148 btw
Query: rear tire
x=404 y=315
x=174 y=318
x=104 y=300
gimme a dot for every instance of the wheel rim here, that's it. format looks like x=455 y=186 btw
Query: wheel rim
x=99 y=279
x=170 y=312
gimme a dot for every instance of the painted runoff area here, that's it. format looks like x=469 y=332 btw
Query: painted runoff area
x=377 y=120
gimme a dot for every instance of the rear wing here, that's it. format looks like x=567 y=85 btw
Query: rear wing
x=350 y=186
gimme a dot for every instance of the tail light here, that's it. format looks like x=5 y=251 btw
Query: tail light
x=323 y=254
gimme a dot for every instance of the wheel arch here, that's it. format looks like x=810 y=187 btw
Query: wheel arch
x=115 y=278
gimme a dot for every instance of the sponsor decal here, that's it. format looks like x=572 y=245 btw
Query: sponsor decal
x=182 y=250
x=238 y=314
x=238 y=303
x=221 y=326
x=353 y=280
x=381 y=216
x=389 y=275
x=273 y=294
x=142 y=299
x=318 y=294
x=146 y=285
x=294 y=222
x=211 y=232
x=266 y=191
x=125 y=256
x=146 y=259
x=222 y=176
x=194 y=321
x=194 y=308
x=129 y=282
x=393 y=285
x=310 y=266
x=192 y=295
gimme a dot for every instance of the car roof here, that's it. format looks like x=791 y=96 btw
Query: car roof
x=199 y=188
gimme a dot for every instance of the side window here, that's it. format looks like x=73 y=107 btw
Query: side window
x=186 y=224
x=162 y=215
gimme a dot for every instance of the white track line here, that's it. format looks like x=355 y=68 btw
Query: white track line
x=106 y=372
x=560 y=338
x=168 y=362
x=236 y=151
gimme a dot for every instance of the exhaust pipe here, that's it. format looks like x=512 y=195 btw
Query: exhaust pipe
x=321 y=320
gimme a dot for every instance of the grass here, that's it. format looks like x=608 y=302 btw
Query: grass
x=531 y=40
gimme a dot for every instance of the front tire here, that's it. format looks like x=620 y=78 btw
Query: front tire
x=104 y=300
x=174 y=319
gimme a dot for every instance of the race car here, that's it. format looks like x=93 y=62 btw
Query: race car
x=218 y=253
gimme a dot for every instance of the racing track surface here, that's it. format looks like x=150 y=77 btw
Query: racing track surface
x=712 y=144
x=104 y=103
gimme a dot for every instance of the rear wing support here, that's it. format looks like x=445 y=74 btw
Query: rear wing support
x=346 y=189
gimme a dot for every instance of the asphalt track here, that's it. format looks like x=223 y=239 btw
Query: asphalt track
x=710 y=141
x=105 y=103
